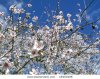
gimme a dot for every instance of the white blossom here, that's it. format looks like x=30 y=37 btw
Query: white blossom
x=33 y=72
x=29 y=5
x=1 y=13
x=38 y=45
x=1 y=36
x=69 y=15
x=59 y=16
x=69 y=26
x=35 y=18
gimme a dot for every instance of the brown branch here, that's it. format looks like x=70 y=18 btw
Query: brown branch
x=87 y=7
x=22 y=66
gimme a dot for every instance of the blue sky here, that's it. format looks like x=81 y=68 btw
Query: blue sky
x=67 y=6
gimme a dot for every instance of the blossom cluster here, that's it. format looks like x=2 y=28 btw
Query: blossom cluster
x=27 y=47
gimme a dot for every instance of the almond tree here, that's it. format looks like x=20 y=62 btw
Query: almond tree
x=58 y=47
